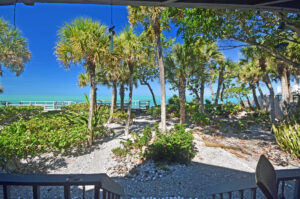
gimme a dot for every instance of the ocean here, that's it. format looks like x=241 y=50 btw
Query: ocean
x=81 y=98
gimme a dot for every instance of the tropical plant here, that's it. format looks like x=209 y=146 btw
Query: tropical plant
x=154 y=20
x=84 y=42
x=14 y=53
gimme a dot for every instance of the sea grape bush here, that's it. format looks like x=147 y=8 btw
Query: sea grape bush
x=173 y=146
x=9 y=114
x=46 y=132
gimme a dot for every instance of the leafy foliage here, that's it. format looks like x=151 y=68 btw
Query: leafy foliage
x=9 y=114
x=154 y=111
x=174 y=146
x=288 y=137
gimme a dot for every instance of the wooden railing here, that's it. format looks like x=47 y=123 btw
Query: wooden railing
x=240 y=186
x=48 y=105
x=136 y=104
x=101 y=182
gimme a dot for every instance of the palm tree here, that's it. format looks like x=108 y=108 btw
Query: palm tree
x=151 y=18
x=14 y=53
x=84 y=42
x=179 y=63
x=129 y=46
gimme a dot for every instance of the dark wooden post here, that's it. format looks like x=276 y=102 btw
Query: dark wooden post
x=36 y=191
x=297 y=189
x=67 y=193
x=6 y=191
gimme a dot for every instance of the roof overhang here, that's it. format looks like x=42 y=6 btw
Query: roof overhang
x=284 y=5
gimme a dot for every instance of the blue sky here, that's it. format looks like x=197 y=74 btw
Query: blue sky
x=44 y=75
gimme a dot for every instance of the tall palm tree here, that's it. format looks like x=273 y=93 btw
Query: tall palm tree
x=14 y=53
x=152 y=19
x=179 y=64
x=129 y=45
x=84 y=42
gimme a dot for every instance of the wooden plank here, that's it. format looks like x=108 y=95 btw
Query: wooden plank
x=288 y=174
x=297 y=189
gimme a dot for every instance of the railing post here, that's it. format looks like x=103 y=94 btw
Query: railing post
x=36 y=192
x=230 y=195
x=253 y=193
x=242 y=194
x=67 y=193
x=297 y=189
x=6 y=191
x=97 y=191
x=104 y=194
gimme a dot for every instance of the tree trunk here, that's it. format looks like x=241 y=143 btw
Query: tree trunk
x=254 y=96
x=202 y=95
x=242 y=102
x=122 y=95
x=116 y=94
x=222 y=93
x=262 y=97
x=248 y=100
x=212 y=92
x=182 y=98
x=129 y=101
x=162 y=79
x=272 y=96
x=113 y=101
x=289 y=86
x=220 y=82
x=151 y=91
x=91 y=71
x=282 y=69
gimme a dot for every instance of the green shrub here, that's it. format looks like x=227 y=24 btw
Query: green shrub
x=200 y=118
x=46 y=132
x=144 y=139
x=77 y=108
x=173 y=107
x=174 y=146
x=9 y=114
x=155 y=111
x=121 y=116
x=288 y=137
x=121 y=152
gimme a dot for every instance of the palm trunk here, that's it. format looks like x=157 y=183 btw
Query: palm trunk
x=162 y=80
x=272 y=96
x=252 y=85
x=212 y=92
x=151 y=91
x=202 y=95
x=222 y=94
x=249 y=103
x=182 y=98
x=220 y=82
x=113 y=101
x=242 y=102
x=91 y=71
x=289 y=86
x=262 y=97
x=129 y=101
x=116 y=93
x=122 y=95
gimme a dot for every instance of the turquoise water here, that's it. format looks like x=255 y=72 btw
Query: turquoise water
x=79 y=98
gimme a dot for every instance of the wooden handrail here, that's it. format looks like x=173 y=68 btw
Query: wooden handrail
x=249 y=183
x=100 y=181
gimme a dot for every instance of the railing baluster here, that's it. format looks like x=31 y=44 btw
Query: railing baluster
x=6 y=191
x=97 y=191
x=83 y=192
x=221 y=195
x=297 y=189
x=253 y=193
x=230 y=195
x=104 y=194
x=214 y=196
x=242 y=194
x=36 y=191
x=67 y=192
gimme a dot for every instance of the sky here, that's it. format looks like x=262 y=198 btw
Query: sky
x=43 y=74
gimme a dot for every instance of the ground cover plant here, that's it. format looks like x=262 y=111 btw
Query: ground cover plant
x=9 y=114
x=60 y=132
x=174 y=146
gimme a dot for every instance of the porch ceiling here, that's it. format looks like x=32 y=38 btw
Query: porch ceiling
x=287 y=5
